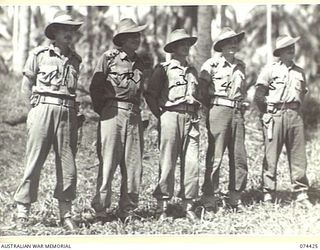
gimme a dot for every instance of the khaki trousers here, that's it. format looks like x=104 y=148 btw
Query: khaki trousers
x=49 y=125
x=225 y=130
x=288 y=130
x=179 y=136
x=119 y=142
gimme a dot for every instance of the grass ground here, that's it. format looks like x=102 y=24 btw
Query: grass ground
x=257 y=219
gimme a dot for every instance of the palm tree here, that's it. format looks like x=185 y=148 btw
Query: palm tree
x=203 y=47
x=21 y=40
x=296 y=22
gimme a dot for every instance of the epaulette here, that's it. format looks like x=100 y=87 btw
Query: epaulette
x=111 y=53
x=299 y=68
x=214 y=61
x=165 y=65
x=241 y=63
x=39 y=50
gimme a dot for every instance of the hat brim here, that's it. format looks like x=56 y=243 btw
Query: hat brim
x=49 y=29
x=276 y=52
x=218 y=45
x=169 y=47
x=116 y=37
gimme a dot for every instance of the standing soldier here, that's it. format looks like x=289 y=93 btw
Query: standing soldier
x=50 y=81
x=116 y=89
x=280 y=90
x=172 y=97
x=225 y=76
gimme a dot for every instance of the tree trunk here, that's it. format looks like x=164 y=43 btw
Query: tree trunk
x=223 y=22
x=90 y=38
x=15 y=38
x=21 y=49
x=203 y=47
x=269 y=33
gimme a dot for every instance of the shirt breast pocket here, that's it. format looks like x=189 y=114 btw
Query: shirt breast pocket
x=277 y=83
x=120 y=78
x=221 y=82
x=48 y=74
x=177 y=86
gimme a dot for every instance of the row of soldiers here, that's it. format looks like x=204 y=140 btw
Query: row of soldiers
x=174 y=93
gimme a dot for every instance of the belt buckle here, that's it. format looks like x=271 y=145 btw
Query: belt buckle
x=237 y=104
x=130 y=106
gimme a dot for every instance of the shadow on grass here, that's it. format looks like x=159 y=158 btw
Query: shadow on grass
x=314 y=194
x=282 y=197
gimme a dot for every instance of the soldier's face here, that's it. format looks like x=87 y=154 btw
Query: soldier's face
x=182 y=48
x=287 y=53
x=64 y=34
x=132 y=41
x=231 y=46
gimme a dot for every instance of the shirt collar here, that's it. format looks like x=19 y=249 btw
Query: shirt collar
x=224 y=62
x=124 y=56
x=176 y=63
x=292 y=66
x=56 y=50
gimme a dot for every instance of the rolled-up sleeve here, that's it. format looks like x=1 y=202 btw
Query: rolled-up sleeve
x=31 y=67
x=264 y=77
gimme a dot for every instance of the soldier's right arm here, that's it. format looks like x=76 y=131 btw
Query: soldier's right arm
x=29 y=76
x=97 y=87
x=153 y=89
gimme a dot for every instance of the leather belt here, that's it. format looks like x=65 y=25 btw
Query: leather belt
x=287 y=105
x=125 y=105
x=184 y=107
x=274 y=107
x=57 y=101
x=226 y=102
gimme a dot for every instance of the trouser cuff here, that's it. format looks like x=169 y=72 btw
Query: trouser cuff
x=65 y=209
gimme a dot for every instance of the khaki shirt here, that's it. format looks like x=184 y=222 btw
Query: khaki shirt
x=171 y=84
x=226 y=80
x=51 y=72
x=284 y=84
x=116 y=77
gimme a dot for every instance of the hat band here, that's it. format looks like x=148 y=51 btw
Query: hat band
x=62 y=18
x=128 y=29
x=227 y=35
x=283 y=41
